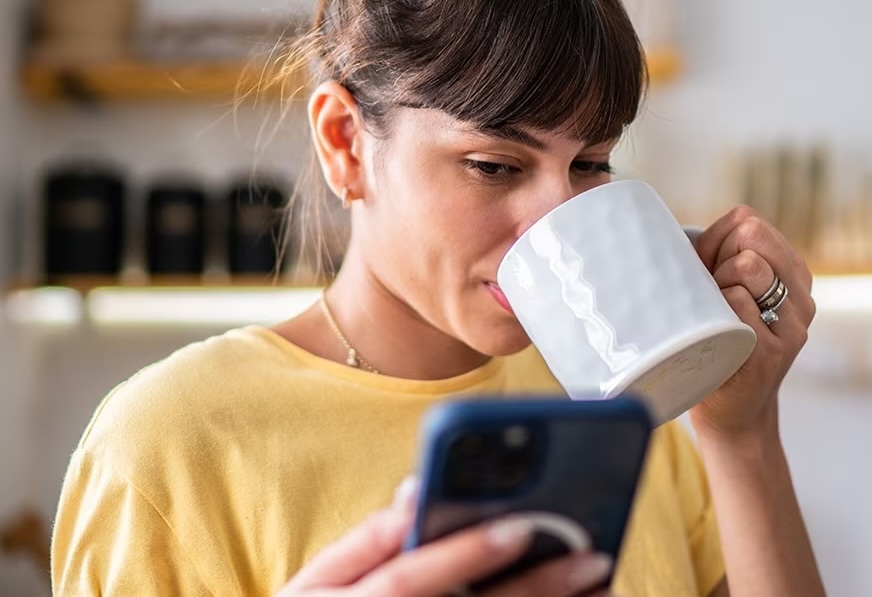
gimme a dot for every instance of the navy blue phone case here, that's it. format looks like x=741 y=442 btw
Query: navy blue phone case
x=583 y=461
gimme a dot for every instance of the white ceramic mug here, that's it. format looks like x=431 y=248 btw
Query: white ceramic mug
x=614 y=296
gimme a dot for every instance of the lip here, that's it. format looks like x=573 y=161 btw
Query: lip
x=499 y=296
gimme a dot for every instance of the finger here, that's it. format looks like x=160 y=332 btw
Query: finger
x=712 y=250
x=788 y=327
x=367 y=546
x=761 y=237
x=568 y=576
x=777 y=344
x=740 y=300
x=709 y=242
x=457 y=560
x=747 y=269
x=755 y=235
x=752 y=271
x=791 y=328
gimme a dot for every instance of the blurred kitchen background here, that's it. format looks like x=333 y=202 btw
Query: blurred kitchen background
x=139 y=196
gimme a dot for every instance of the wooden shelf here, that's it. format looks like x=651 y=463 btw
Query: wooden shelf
x=827 y=269
x=664 y=64
x=126 y=81
x=144 y=81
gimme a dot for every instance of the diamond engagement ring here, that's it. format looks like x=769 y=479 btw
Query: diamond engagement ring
x=772 y=300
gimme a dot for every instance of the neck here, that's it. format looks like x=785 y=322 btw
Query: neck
x=389 y=333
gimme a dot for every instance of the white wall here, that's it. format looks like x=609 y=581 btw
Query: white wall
x=757 y=70
x=9 y=134
x=760 y=71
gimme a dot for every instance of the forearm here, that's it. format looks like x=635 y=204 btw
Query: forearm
x=766 y=547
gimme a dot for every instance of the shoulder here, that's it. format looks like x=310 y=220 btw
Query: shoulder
x=182 y=406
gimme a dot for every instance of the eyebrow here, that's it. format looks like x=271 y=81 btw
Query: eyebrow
x=514 y=134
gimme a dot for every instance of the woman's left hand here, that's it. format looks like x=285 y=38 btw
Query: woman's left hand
x=744 y=254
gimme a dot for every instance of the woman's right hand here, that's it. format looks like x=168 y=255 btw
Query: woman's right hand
x=369 y=562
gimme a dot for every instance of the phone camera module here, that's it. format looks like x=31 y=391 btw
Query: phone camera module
x=490 y=464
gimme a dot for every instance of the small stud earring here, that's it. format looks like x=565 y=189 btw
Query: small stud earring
x=346 y=202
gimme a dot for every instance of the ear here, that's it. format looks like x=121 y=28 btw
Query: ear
x=336 y=129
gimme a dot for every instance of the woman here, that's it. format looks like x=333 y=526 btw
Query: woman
x=448 y=127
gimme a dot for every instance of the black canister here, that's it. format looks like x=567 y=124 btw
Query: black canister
x=83 y=221
x=175 y=230
x=255 y=219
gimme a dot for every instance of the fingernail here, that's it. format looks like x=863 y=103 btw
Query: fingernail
x=589 y=570
x=509 y=533
x=405 y=493
x=394 y=525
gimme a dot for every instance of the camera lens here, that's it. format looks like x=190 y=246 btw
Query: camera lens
x=516 y=436
x=472 y=445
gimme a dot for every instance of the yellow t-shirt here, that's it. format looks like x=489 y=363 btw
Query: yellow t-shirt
x=224 y=468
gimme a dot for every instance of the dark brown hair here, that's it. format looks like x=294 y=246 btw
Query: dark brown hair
x=540 y=64
x=570 y=65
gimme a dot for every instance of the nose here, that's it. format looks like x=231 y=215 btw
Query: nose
x=542 y=201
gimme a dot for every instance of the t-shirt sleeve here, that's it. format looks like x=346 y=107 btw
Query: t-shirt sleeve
x=108 y=539
x=699 y=512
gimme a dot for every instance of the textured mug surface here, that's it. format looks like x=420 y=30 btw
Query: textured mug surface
x=612 y=293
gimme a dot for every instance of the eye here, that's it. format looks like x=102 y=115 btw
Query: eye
x=490 y=169
x=589 y=167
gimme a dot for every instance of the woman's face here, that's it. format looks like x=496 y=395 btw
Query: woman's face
x=445 y=203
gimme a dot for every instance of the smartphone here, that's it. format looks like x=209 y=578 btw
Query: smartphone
x=572 y=461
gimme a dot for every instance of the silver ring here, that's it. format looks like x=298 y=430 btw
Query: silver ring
x=769 y=316
x=766 y=295
x=775 y=298
x=563 y=528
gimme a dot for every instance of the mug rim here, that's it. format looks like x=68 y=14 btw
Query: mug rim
x=566 y=205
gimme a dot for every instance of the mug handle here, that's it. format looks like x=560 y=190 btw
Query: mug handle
x=693 y=233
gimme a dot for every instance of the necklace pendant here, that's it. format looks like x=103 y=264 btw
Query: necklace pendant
x=352 y=360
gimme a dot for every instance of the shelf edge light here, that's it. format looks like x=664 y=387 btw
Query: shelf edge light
x=843 y=295
x=52 y=306
x=196 y=307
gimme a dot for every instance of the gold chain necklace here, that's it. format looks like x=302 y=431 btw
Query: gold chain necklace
x=353 y=359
